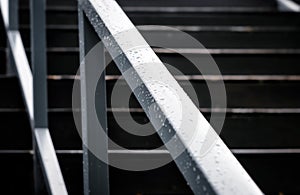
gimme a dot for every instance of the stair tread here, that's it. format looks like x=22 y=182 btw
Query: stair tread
x=265 y=169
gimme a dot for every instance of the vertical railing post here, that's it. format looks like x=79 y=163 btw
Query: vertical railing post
x=13 y=24
x=34 y=87
x=39 y=72
x=95 y=171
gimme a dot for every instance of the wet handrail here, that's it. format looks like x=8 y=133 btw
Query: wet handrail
x=202 y=172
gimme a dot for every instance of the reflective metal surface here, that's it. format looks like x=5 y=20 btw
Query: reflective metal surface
x=34 y=89
x=215 y=172
x=95 y=171
x=49 y=162
x=288 y=5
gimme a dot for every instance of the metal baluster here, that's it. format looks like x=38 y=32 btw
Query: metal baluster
x=39 y=72
x=96 y=175
x=13 y=18
x=45 y=161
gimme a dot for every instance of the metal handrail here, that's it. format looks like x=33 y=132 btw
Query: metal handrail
x=34 y=88
x=202 y=173
x=288 y=5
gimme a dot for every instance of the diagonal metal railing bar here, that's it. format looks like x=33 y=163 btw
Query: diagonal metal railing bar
x=288 y=5
x=148 y=77
x=24 y=72
x=34 y=93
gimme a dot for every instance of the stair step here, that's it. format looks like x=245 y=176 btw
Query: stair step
x=266 y=169
x=235 y=64
x=276 y=38
x=240 y=130
x=195 y=3
x=169 y=3
x=67 y=62
x=168 y=179
x=209 y=39
x=241 y=94
x=63 y=17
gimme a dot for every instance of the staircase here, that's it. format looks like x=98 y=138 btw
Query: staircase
x=257 y=49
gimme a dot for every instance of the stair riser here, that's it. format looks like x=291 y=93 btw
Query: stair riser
x=211 y=19
x=245 y=3
x=273 y=40
x=239 y=131
x=239 y=94
x=67 y=63
x=267 y=170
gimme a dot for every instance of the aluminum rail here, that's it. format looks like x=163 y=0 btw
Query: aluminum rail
x=34 y=93
x=216 y=172
x=288 y=5
x=95 y=172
